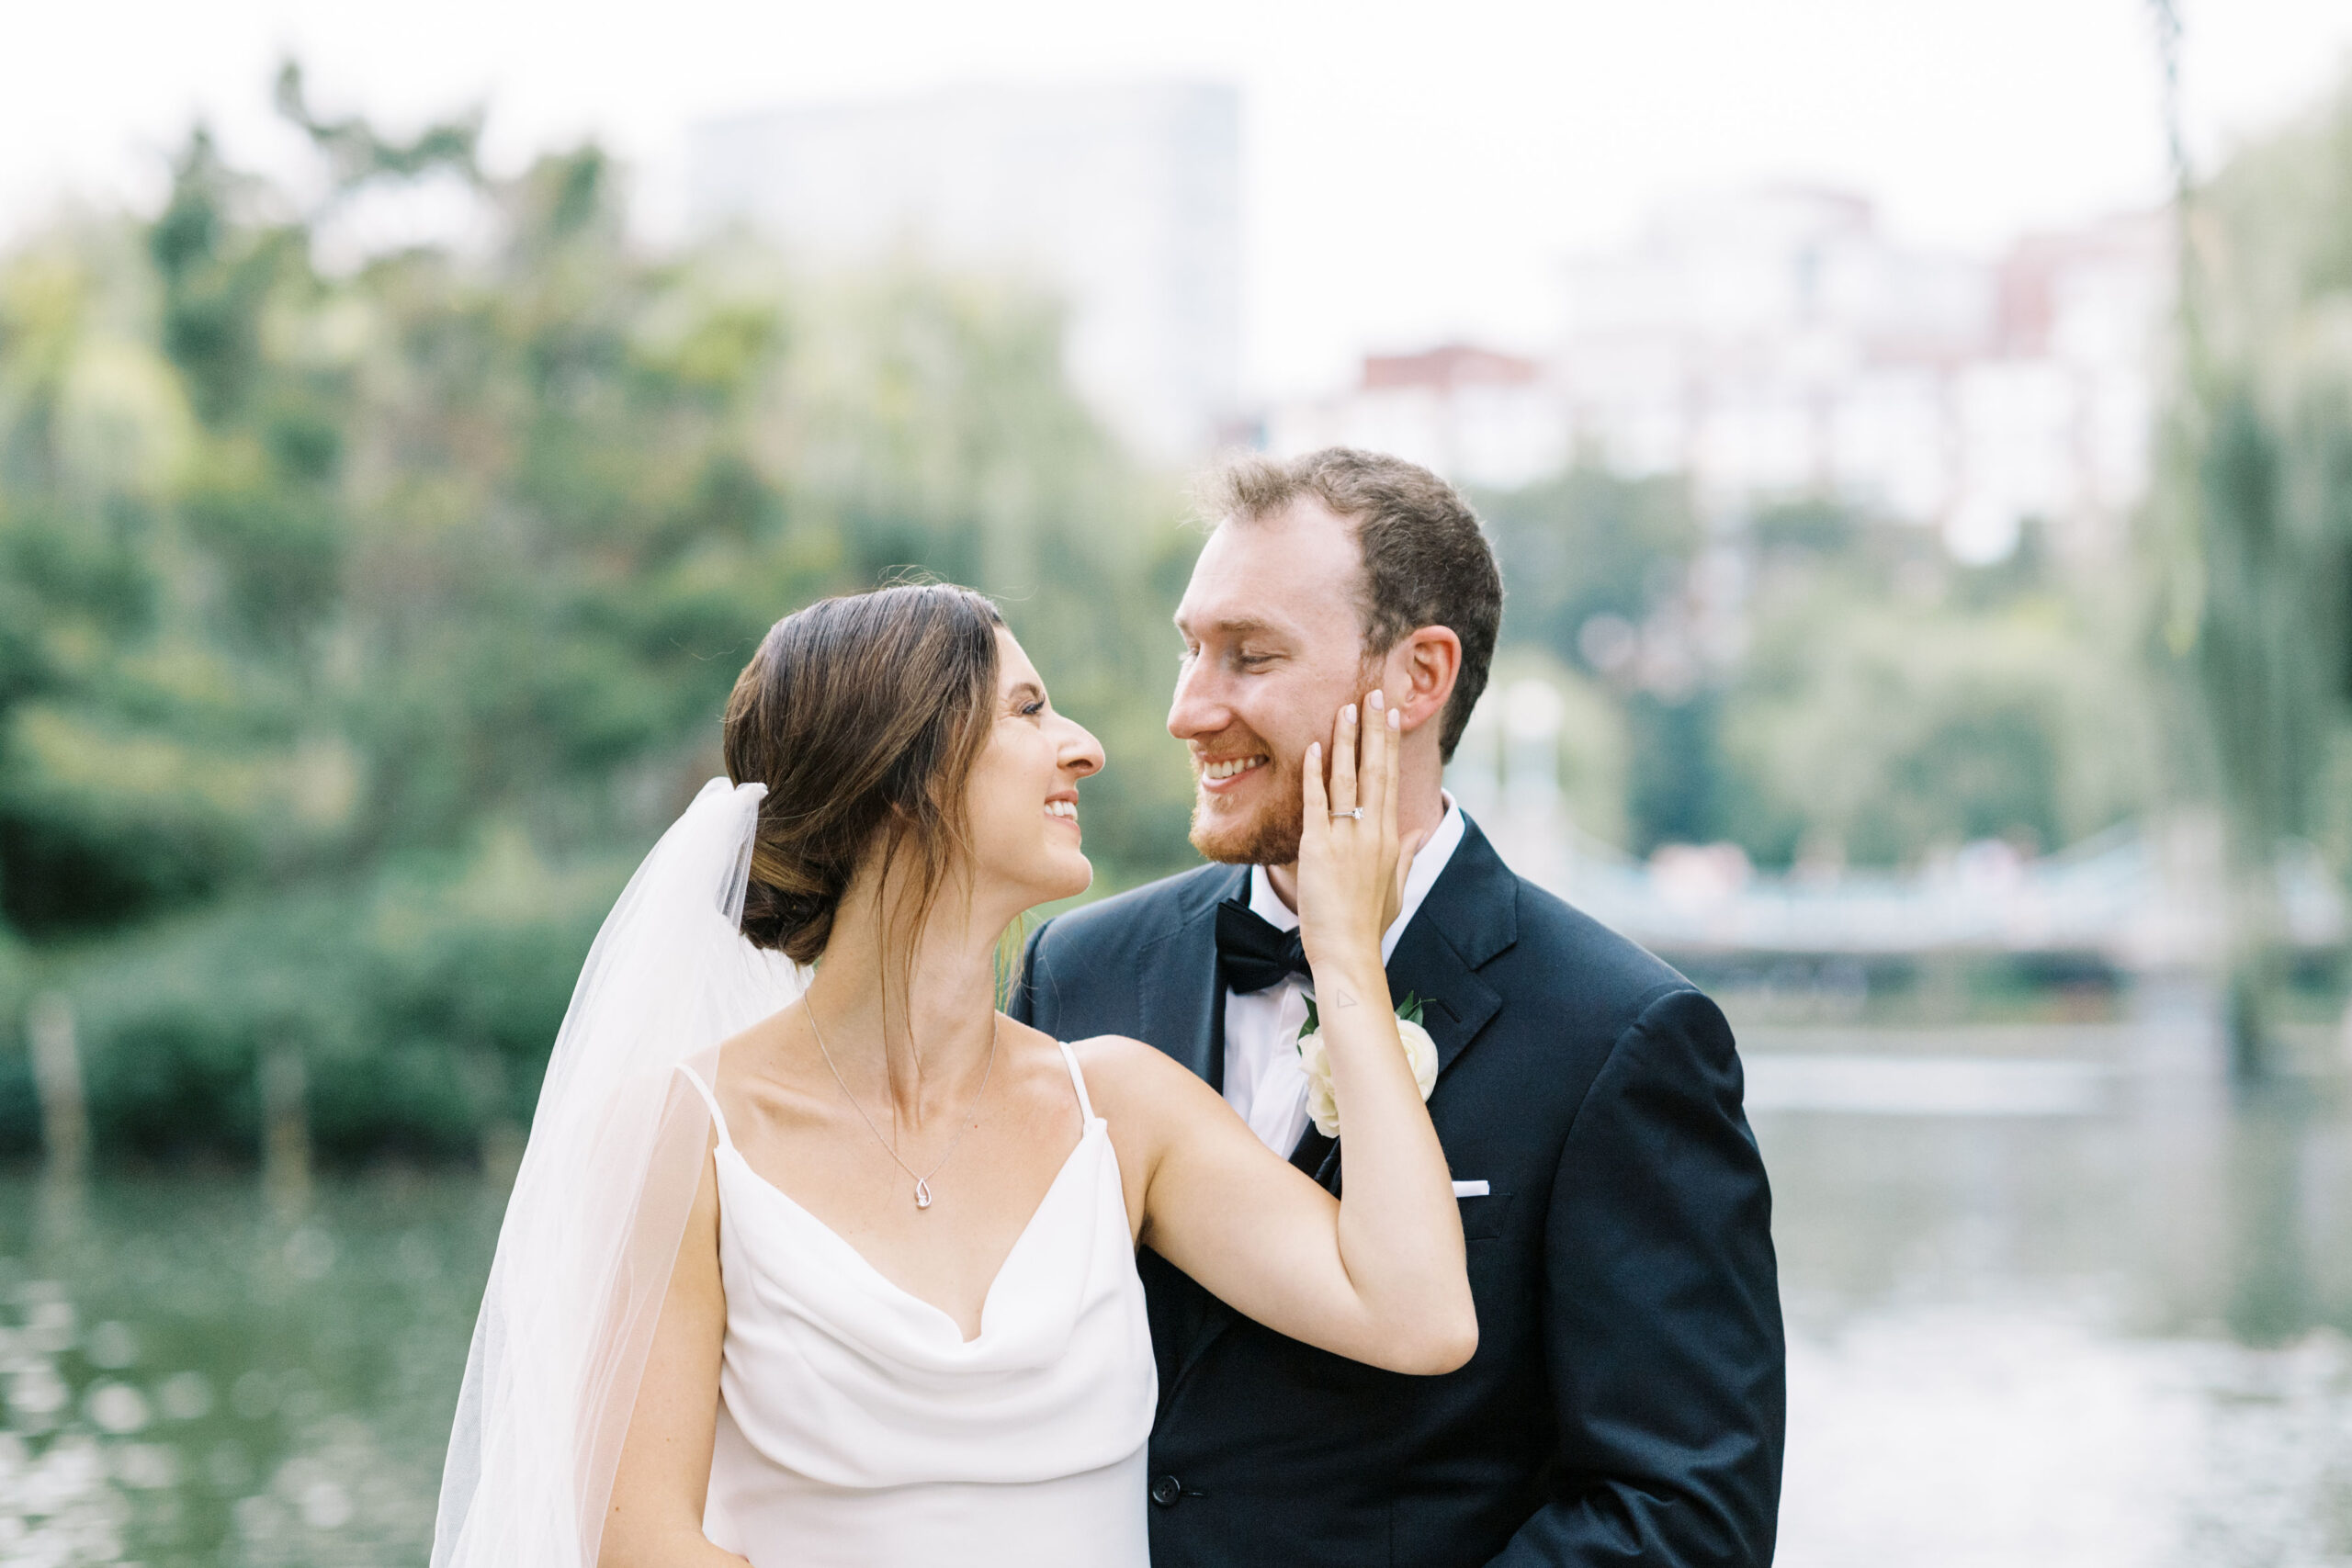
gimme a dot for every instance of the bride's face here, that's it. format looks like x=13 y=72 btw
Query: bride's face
x=1021 y=800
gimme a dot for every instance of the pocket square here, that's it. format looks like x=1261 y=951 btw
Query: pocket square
x=1470 y=1189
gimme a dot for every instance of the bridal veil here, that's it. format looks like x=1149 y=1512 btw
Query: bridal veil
x=599 y=1201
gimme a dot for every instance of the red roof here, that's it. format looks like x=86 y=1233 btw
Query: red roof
x=1446 y=367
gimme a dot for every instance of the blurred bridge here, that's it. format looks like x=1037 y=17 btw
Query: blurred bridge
x=2117 y=894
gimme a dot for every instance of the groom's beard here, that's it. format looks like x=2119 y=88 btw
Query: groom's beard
x=1268 y=837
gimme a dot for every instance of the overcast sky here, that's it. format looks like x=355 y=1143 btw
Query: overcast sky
x=1412 y=171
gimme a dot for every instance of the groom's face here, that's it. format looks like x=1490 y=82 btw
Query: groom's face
x=1273 y=645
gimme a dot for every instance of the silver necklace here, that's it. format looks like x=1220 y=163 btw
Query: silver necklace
x=923 y=1180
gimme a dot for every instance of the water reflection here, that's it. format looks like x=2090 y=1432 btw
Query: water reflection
x=2053 y=1299
x=190 y=1380
x=2110 y=1332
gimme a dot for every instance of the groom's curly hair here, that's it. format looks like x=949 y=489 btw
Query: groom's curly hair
x=1426 y=563
x=862 y=716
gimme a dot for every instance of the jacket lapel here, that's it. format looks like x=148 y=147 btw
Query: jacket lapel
x=1470 y=915
x=1181 y=988
x=1182 y=991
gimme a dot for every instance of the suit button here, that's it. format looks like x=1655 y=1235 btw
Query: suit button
x=1166 y=1489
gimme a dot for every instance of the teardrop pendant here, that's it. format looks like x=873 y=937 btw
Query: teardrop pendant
x=923 y=1192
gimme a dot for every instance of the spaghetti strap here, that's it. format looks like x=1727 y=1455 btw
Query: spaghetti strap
x=1076 y=1080
x=720 y=1120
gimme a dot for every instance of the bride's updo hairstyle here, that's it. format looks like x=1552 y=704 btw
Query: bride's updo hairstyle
x=862 y=716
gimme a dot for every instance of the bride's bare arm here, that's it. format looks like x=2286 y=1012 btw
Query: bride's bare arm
x=1380 y=1276
x=655 y=1520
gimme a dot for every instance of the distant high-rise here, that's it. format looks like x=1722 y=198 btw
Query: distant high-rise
x=1124 y=198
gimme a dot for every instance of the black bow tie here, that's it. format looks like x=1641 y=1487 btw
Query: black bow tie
x=1255 y=954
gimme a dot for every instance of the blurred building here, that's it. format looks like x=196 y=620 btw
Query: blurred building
x=2057 y=420
x=1125 y=198
x=1774 y=343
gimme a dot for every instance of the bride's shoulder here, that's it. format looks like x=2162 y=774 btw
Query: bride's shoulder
x=1121 y=1071
x=1123 y=1074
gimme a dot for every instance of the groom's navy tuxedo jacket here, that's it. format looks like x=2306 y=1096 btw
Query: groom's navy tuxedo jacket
x=1625 y=1403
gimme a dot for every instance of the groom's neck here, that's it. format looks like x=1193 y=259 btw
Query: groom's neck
x=1420 y=809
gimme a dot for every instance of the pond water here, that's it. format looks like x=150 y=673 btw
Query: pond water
x=193 y=1378
x=2047 y=1305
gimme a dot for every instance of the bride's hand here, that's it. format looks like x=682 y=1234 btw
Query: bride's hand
x=1351 y=864
x=1374 y=1272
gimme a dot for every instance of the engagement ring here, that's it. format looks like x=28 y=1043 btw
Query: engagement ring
x=1357 y=813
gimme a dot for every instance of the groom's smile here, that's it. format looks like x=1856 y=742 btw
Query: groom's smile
x=1239 y=785
x=1216 y=776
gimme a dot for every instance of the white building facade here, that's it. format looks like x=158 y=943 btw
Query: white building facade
x=1125 y=198
x=1774 y=343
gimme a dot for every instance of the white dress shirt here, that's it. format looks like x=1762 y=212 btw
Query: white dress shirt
x=1262 y=1080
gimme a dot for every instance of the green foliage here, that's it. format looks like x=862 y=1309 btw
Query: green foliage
x=1596 y=745
x=1678 y=791
x=357 y=155
x=2251 y=521
x=358 y=632
x=423 y=1004
x=1817 y=683
x=1871 y=729
x=1589 y=543
x=2253 y=514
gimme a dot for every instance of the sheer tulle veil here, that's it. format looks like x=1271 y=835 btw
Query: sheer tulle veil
x=601 y=1199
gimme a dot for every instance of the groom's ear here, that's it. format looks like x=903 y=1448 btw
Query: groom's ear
x=1421 y=671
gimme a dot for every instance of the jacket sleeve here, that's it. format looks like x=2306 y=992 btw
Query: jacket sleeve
x=1020 y=1005
x=1662 y=1318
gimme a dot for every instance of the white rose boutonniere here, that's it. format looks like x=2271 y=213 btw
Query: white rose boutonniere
x=1322 y=1104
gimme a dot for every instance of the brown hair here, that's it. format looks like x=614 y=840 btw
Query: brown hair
x=862 y=716
x=1425 y=562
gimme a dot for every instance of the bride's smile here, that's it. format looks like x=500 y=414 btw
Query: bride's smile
x=1025 y=851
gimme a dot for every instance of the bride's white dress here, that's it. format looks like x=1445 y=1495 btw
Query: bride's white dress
x=858 y=1428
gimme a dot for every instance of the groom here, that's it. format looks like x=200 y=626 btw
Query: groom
x=1625 y=1403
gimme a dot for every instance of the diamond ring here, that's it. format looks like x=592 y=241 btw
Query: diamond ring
x=1356 y=815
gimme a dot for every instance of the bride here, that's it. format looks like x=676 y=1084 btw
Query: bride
x=846 y=1274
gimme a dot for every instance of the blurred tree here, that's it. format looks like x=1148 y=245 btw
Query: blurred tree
x=359 y=628
x=1676 y=788
x=1596 y=572
x=1589 y=553
x=2251 y=519
x=1867 y=729
x=1818 y=681
x=357 y=156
